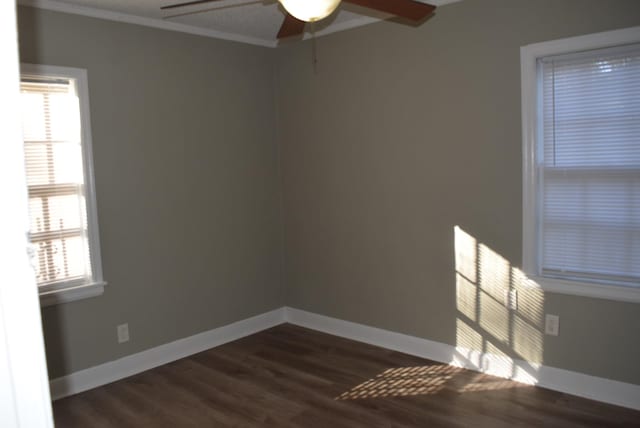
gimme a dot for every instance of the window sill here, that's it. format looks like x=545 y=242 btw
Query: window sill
x=586 y=289
x=56 y=297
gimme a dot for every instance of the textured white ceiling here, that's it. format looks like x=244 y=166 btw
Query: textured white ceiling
x=250 y=21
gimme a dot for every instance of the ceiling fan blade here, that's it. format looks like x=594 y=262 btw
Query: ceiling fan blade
x=409 y=9
x=189 y=3
x=291 y=26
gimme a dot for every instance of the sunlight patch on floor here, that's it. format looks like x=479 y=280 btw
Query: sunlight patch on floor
x=403 y=381
x=423 y=380
x=484 y=383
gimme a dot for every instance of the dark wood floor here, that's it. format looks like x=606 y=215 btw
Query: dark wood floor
x=289 y=376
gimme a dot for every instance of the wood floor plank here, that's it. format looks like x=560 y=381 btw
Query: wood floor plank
x=292 y=377
x=280 y=379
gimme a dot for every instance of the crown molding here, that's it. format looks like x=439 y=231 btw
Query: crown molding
x=59 y=6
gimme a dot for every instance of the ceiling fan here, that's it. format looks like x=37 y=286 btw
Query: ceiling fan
x=300 y=12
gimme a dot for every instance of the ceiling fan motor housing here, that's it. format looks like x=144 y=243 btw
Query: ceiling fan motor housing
x=310 y=10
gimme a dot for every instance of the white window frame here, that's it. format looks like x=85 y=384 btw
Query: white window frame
x=68 y=292
x=531 y=133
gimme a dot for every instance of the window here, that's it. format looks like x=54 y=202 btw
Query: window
x=62 y=211
x=581 y=128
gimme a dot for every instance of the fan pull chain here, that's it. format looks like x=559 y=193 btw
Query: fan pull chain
x=314 y=48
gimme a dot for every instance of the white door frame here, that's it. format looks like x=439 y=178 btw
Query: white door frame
x=24 y=385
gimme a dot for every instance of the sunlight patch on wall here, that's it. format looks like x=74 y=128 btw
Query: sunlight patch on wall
x=493 y=272
x=493 y=317
x=530 y=299
x=495 y=350
x=485 y=322
x=466 y=300
x=467 y=336
x=527 y=340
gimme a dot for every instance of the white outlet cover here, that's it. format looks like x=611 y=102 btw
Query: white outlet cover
x=552 y=325
x=123 y=333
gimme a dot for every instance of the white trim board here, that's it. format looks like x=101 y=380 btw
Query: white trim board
x=574 y=383
x=130 y=365
x=595 y=388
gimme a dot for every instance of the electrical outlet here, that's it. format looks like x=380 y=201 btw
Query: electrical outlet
x=552 y=325
x=511 y=299
x=123 y=333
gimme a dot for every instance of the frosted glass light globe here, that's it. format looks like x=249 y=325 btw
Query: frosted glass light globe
x=310 y=10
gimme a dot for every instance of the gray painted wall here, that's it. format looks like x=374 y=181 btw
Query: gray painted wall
x=400 y=135
x=186 y=181
x=404 y=133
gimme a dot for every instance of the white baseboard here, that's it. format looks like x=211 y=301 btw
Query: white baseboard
x=595 y=388
x=112 y=371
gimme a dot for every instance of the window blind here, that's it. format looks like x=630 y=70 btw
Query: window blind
x=55 y=179
x=589 y=166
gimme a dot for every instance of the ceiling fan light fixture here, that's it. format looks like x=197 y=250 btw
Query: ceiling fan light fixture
x=310 y=10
